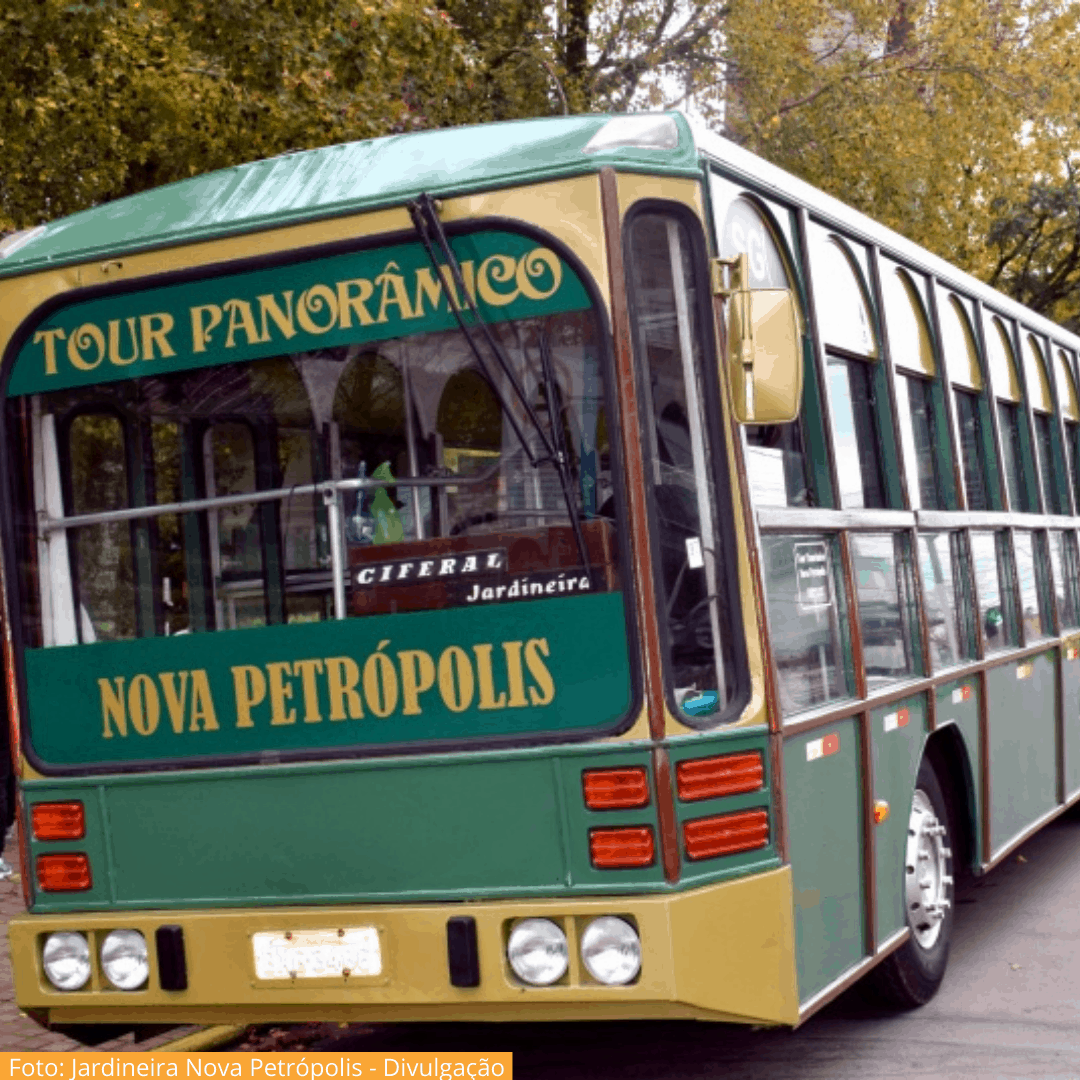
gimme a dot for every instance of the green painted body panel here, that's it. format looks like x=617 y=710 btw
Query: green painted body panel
x=351 y=299
x=708 y=870
x=896 y=744
x=958 y=703
x=338 y=180
x=1070 y=672
x=580 y=820
x=442 y=827
x=1023 y=772
x=114 y=702
x=445 y=826
x=825 y=842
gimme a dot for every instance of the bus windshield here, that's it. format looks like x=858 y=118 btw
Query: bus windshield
x=318 y=444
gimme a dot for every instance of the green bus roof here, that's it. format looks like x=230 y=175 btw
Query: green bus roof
x=338 y=180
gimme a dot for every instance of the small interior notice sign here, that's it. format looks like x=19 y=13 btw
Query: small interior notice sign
x=694 y=557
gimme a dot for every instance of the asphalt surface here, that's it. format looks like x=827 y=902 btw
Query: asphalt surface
x=1010 y=1006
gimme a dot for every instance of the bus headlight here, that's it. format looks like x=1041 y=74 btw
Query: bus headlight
x=611 y=951
x=124 y=959
x=537 y=952
x=66 y=959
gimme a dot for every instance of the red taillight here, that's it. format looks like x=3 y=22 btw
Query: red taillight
x=713 y=777
x=726 y=834
x=58 y=821
x=63 y=873
x=616 y=849
x=615 y=789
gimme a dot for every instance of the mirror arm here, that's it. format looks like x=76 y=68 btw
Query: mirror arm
x=730 y=279
x=730 y=275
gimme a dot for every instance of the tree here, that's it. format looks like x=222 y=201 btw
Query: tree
x=934 y=116
x=1036 y=244
x=106 y=97
x=644 y=53
x=542 y=57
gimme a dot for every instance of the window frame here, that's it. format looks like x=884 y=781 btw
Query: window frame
x=963 y=621
x=721 y=467
x=918 y=288
x=992 y=321
x=1054 y=497
x=837 y=546
x=881 y=405
x=22 y=569
x=908 y=609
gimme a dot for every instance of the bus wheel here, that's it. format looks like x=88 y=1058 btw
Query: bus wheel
x=911 y=975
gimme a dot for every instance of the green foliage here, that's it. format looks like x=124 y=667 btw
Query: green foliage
x=1037 y=247
x=516 y=74
x=102 y=98
x=107 y=97
x=953 y=121
x=938 y=117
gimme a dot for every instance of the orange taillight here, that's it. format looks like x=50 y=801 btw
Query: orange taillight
x=63 y=873
x=616 y=789
x=712 y=777
x=616 y=849
x=58 y=821
x=726 y=834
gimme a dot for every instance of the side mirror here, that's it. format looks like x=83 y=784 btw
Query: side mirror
x=764 y=353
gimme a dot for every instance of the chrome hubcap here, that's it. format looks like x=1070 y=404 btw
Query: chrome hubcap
x=927 y=885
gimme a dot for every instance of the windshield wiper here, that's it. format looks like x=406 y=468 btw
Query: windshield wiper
x=425 y=216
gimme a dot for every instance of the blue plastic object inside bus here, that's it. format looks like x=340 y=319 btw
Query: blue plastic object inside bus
x=708 y=701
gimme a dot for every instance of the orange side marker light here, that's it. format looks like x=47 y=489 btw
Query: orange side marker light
x=64 y=873
x=714 y=777
x=615 y=789
x=620 y=849
x=726 y=834
x=58 y=821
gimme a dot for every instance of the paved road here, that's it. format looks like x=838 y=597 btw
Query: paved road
x=1010 y=1006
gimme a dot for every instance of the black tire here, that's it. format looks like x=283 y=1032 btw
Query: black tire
x=910 y=976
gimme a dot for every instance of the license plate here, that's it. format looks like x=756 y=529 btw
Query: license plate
x=317 y=954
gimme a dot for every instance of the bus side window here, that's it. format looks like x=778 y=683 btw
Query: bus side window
x=1030 y=576
x=852 y=357
x=993 y=589
x=972 y=418
x=805 y=599
x=1070 y=410
x=775 y=455
x=1006 y=385
x=945 y=600
x=1065 y=566
x=1042 y=404
x=886 y=598
x=919 y=409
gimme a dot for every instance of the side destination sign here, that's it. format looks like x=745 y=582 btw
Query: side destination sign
x=457 y=675
x=362 y=296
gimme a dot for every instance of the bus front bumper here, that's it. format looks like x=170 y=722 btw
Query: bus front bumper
x=722 y=952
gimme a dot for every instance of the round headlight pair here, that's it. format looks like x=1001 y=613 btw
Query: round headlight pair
x=610 y=950
x=124 y=960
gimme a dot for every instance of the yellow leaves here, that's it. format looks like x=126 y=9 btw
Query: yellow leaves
x=925 y=121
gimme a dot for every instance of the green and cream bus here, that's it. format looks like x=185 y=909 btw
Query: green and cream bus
x=556 y=569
